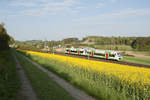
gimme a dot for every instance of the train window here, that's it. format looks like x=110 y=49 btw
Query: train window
x=99 y=54
x=81 y=51
x=119 y=54
x=74 y=51
x=112 y=55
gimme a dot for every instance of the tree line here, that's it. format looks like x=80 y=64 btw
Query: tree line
x=137 y=43
x=100 y=40
x=141 y=43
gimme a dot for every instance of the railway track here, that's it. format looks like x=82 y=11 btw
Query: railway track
x=103 y=60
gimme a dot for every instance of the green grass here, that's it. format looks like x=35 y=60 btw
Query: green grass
x=45 y=87
x=9 y=80
x=145 y=61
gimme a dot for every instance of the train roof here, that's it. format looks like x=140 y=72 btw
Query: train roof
x=96 y=50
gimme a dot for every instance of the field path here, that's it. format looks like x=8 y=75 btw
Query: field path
x=26 y=92
x=75 y=92
x=137 y=55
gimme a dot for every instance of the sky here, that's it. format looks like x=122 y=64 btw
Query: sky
x=59 y=19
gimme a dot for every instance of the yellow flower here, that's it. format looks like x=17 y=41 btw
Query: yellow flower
x=126 y=73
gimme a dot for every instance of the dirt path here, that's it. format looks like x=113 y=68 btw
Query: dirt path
x=137 y=55
x=76 y=93
x=26 y=92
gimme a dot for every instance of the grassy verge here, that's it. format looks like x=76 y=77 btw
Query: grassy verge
x=137 y=60
x=9 y=80
x=46 y=88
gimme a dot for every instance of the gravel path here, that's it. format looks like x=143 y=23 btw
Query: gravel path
x=76 y=93
x=26 y=92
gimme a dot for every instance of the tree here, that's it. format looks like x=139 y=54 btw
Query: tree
x=141 y=43
x=70 y=40
x=134 y=44
x=11 y=40
x=4 y=38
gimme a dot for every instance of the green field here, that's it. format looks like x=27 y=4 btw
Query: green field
x=9 y=80
x=46 y=88
x=137 y=60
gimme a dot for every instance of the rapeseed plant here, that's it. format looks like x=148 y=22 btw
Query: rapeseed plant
x=128 y=73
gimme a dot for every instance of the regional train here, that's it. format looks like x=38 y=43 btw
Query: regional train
x=91 y=52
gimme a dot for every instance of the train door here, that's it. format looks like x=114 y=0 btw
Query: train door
x=106 y=56
x=85 y=52
x=92 y=53
x=78 y=52
x=118 y=56
x=69 y=51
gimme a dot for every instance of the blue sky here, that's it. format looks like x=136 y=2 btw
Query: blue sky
x=58 y=19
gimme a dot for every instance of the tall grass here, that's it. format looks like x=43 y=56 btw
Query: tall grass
x=9 y=80
x=97 y=84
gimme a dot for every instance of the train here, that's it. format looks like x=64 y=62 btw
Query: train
x=96 y=53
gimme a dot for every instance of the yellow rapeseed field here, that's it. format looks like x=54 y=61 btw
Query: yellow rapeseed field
x=131 y=74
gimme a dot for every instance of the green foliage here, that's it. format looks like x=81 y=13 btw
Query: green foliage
x=141 y=43
x=100 y=40
x=134 y=44
x=4 y=38
x=69 y=40
x=137 y=43
x=51 y=44
x=9 y=80
x=24 y=46
x=105 y=47
x=45 y=87
x=11 y=41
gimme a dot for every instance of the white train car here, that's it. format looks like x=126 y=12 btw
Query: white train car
x=106 y=54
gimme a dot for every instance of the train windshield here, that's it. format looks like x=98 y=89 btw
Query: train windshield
x=119 y=54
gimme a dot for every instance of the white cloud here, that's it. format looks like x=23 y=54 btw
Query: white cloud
x=100 y=5
x=41 y=7
x=103 y=3
x=70 y=1
x=23 y=4
x=113 y=1
x=128 y=13
x=115 y=22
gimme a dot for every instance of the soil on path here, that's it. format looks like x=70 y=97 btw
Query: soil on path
x=137 y=54
x=26 y=92
x=75 y=92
